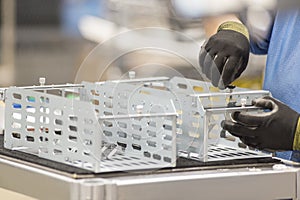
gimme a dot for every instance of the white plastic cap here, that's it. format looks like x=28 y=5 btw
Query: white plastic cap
x=131 y=74
x=243 y=102
x=42 y=80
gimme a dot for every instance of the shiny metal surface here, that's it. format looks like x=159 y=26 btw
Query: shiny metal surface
x=261 y=183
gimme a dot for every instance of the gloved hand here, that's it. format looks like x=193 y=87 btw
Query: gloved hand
x=226 y=54
x=277 y=129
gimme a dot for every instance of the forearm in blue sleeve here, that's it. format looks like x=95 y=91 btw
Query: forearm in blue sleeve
x=260 y=30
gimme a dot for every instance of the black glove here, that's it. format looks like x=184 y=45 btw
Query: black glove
x=274 y=129
x=226 y=54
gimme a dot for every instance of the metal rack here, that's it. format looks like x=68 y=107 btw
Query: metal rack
x=49 y=124
x=126 y=125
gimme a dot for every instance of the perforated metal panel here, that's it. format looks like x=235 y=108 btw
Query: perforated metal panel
x=73 y=131
x=222 y=152
x=204 y=109
x=52 y=127
x=149 y=137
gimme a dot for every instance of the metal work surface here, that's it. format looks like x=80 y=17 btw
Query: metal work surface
x=191 y=178
x=239 y=182
x=228 y=184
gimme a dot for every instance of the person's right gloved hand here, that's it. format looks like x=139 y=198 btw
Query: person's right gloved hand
x=225 y=56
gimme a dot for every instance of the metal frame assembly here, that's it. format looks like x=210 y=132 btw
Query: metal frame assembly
x=127 y=124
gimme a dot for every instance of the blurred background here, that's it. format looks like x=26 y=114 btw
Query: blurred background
x=51 y=38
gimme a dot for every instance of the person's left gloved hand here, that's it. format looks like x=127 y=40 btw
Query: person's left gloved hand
x=274 y=129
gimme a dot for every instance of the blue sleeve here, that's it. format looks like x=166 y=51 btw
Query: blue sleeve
x=260 y=30
x=261 y=46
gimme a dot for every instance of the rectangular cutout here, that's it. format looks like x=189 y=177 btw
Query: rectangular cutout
x=167 y=127
x=137 y=127
x=17 y=106
x=168 y=137
x=152 y=123
x=30 y=128
x=30 y=119
x=57 y=131
x=30 y=138
x=122 y=134
x=136 y=147
x=151 y=133
x=95 y=102
x=106 y=113
x=73 y=128
x=30 y=109
x=94 y=93
x=58 y=122
x=108 y=104
x=107 y=133
x=57 y=152
x=30 y=99
x=72 y=138
x=122 y=124
x=16 y=135
x=73 y=118
x=17 y=116
x=182 y=86
x=151 y=143
x=107 y=123
x=16 y=125
x=58 y=112
x=17 y=96
x=136 y=137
